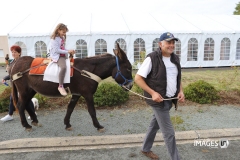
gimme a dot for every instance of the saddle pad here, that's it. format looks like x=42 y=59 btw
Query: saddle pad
x=40 y=69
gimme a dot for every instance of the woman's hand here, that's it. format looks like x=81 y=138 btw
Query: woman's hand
x=3 y=81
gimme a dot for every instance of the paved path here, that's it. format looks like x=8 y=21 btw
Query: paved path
x=187 y=152
x=3 y=71
x=200 y=144
x=113 y=141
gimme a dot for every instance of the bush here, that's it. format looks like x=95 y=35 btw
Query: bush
x=42 y=100
x=201 y=92
x=5 y=99
x=109 y=94
x=136 y=88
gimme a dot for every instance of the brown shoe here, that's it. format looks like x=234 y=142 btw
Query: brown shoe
x=150 y=154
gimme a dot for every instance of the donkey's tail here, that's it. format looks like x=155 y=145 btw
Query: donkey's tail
x=14 y=96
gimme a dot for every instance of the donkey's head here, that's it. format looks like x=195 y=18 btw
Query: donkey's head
x=122 y=73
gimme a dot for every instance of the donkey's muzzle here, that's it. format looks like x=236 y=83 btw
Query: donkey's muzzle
x=128 y=86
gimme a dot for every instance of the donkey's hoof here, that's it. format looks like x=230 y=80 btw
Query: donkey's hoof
x=36 y=124
x=29 y=129
x=101 y=130
x=69 y=129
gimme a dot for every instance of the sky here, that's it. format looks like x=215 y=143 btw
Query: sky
x=12 y=10
x=182 y=6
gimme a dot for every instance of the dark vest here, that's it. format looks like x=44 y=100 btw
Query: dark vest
x=157 y=78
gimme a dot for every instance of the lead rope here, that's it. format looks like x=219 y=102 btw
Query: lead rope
x=166 y=99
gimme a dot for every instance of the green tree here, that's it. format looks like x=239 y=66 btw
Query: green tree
x=237 y=9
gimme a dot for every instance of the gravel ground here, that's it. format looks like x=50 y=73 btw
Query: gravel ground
x=119 y=121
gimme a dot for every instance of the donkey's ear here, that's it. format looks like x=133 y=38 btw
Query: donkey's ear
x=115 y=51
x=121 y=54
x=118 y=47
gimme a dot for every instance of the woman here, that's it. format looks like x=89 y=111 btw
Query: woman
x=16 y=53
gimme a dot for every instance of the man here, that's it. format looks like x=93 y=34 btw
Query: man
x=160 y=78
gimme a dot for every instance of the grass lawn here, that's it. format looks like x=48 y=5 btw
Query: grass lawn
x=223 y=80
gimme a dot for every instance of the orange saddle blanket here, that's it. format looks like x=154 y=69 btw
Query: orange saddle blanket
x=39 y=65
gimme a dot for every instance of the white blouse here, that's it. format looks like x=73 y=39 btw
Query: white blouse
x=55 y=49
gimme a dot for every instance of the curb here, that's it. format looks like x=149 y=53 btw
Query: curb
x=109 y=141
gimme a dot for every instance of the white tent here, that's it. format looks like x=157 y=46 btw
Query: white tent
x=196 y=32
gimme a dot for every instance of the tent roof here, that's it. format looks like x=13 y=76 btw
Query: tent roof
x=230 y=21
x=37 y=24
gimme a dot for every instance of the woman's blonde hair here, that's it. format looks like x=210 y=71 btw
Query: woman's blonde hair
x=60 y=26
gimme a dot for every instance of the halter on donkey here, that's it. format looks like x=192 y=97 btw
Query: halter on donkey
x=102 y=66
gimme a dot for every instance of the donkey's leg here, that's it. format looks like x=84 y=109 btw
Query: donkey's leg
x=70 y=109
x=92 y=112
x=30 y=109
x=21 y=108
x=32 y=114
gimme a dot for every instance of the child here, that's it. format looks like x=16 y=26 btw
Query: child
x=58 y=53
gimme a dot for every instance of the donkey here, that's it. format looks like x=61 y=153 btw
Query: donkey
x=103 y=66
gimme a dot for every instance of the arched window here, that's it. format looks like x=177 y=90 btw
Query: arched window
x=81 y=49
x=209 y=49
x=23 y=46
x=100 y=47
x=238 y=50
x=139 y=50
x=40 y=49
x=177 y=49
x=192 y=50
x=225 y=49
x=155 y=45
x=122 y=44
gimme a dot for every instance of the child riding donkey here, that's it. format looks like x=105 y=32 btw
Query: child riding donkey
x=59 y=53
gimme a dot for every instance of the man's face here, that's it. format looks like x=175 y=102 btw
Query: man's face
x=167 y=47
